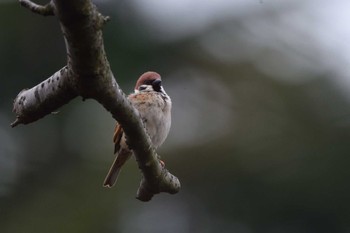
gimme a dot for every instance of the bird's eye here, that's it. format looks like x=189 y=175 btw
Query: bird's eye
x=142 y=87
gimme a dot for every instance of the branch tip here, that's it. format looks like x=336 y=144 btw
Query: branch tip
x=166 y=182
x=144 y=193
x=15 y=123
x=45 y=10
x=106 y=19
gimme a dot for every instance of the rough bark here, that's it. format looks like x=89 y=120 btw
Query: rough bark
x=88 y=74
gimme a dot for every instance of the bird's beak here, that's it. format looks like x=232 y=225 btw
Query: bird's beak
x=156 y=84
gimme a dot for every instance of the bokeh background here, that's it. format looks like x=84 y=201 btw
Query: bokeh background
x=261 y=120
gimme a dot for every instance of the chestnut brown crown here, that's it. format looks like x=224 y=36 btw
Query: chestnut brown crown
x=147 y=78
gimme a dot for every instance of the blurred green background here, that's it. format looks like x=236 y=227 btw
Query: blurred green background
x=261 y=120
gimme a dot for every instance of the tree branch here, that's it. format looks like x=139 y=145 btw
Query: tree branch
x=88 y=74
x=35 y=103
x=46 y=10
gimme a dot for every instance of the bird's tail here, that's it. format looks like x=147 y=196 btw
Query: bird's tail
x=113 y=172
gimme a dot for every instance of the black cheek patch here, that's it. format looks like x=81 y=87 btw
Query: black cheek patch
x=156 y=88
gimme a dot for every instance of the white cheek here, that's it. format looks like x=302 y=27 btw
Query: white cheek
x=149 y=88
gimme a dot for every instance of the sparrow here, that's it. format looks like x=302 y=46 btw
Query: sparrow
x=154 y=106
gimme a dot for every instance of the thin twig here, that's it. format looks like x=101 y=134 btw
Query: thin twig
x=106 y=19
x=46 y=10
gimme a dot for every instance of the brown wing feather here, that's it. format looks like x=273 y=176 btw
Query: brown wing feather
x=122 y=155
x=118 y=134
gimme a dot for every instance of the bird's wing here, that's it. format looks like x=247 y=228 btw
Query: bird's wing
x=118 y=134
x=122 y=155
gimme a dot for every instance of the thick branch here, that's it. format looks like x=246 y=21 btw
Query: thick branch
x=81 y=25
x=88 y=74
x=86 y=50
x=35 y=103
x=38 y=9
